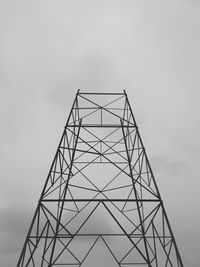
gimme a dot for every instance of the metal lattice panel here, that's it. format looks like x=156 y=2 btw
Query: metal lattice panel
x=100 y=205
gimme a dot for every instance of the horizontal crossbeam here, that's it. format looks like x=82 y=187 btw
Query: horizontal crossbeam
x=101 y=200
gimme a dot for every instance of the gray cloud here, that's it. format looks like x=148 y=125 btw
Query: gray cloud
x=50 y=49
x=188 y=243
x=169 y=166
x=14 y=222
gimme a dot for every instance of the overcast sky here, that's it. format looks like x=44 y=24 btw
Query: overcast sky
x=49 y=49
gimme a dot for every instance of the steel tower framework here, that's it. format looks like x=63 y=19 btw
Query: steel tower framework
x=100 y=205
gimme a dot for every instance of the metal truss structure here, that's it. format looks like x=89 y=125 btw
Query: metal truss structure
x=100 y=205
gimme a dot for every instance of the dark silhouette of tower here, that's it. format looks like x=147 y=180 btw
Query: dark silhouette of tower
x=100 y=205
